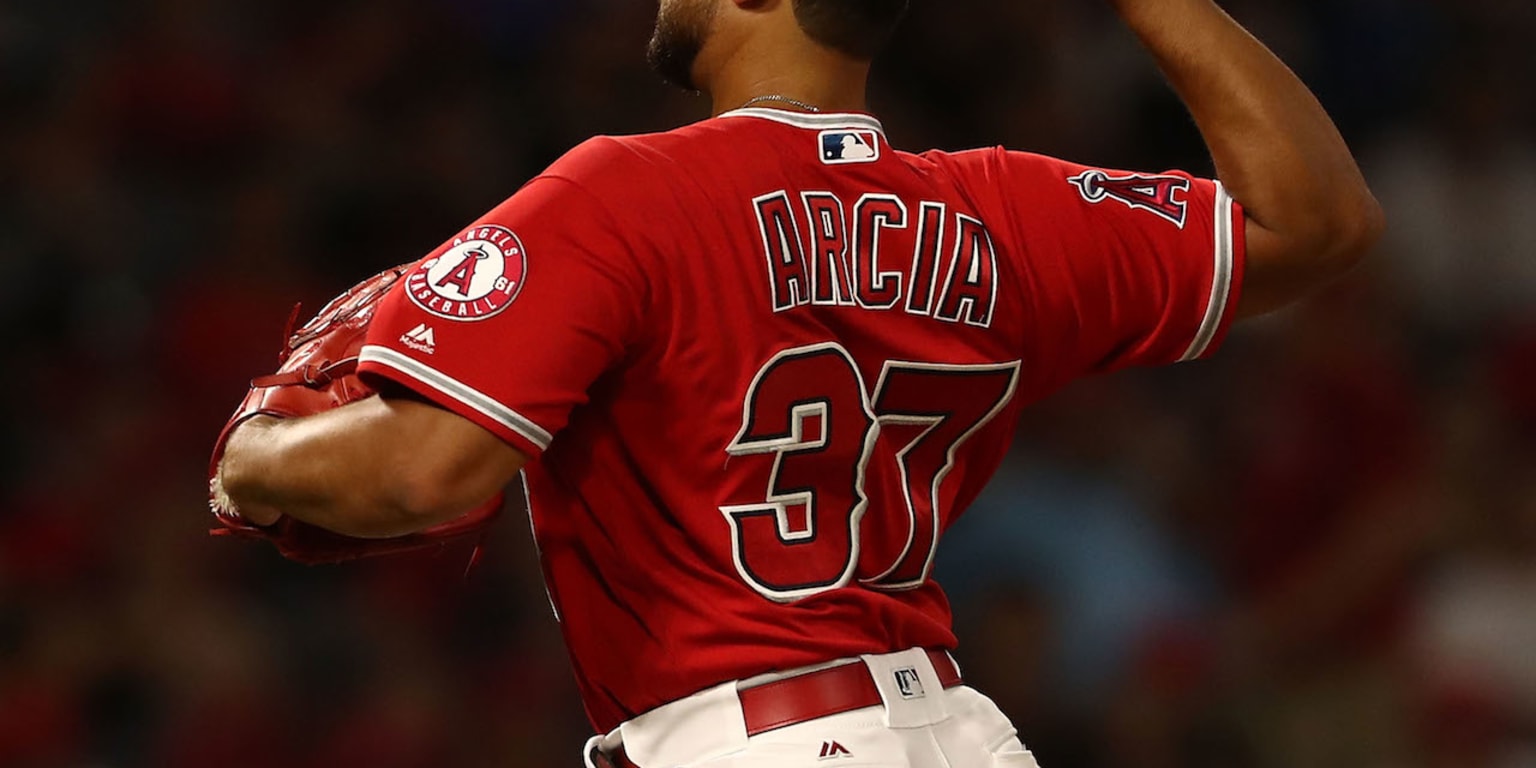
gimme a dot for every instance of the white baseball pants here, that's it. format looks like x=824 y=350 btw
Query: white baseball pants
x=954 y=728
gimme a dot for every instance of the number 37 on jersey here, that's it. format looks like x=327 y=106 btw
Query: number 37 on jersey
x=817 y=427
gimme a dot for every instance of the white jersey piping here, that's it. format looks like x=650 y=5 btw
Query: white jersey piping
x=1221 y=279
x=458 y=391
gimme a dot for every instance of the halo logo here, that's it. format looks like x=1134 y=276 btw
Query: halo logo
x=479 y=275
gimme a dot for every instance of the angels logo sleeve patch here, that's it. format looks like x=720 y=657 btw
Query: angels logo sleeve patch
x=1164 y=196
x=510 y=321
x=479 y=276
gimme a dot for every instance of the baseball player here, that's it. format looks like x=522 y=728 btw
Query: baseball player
x=751 y=369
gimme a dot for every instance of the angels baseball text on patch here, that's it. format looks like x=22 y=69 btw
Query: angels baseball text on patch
x=479 y=275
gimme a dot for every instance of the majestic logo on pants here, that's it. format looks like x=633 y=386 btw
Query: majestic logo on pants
x=909 y=684
x=831 y=749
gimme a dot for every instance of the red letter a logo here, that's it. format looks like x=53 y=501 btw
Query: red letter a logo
x=463 y=275
x=1158 y=194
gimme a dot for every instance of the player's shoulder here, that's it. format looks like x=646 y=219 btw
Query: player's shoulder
x=595 y=160
x=989 y=161
x=630 y=167
x=1023 y=183
x=621 y=153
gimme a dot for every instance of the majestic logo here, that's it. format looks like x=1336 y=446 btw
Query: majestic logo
x=832 y=749
x=1162 y=195
x=479 y=275
x=849 y=146
x=909 y=684
x=422 y=339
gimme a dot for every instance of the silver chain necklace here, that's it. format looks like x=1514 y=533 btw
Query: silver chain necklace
x=785 y=99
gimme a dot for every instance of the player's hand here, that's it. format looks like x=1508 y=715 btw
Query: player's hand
x=229 y=499
x=253 y=472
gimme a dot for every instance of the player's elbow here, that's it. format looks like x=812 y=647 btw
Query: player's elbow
x=1339 y=234
x=1356 y=228
x=431 y=466
x=396 y=501
x=424 y=493
x=430 y=503
x=1286 y=265
x=397 y=511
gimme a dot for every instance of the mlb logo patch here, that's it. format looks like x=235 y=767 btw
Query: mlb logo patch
x=909 y=684
x=849 y=146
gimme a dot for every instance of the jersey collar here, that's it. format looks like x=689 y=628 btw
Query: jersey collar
x=818 y=121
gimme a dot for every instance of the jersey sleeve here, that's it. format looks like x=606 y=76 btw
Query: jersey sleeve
x=509 y=323
x=1119 y=269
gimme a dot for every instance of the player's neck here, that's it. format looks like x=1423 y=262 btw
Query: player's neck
x=815 y=77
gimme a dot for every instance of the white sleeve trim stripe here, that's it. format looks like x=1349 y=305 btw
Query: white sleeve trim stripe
x=459 y=391
x=1221 y=278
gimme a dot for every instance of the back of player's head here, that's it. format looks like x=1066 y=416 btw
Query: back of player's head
x=859 y=28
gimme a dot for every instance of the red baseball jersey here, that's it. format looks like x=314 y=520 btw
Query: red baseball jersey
x=761 y=363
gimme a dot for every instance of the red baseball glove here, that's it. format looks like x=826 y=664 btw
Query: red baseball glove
x=317 y=371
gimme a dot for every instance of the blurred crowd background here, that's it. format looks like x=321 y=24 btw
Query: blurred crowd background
x=1317 y=550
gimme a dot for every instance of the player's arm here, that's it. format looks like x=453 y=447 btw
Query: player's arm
x=490 y=385
x=1310 y=214
x=377 y=468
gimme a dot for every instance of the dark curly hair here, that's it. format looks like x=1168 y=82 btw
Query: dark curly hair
x=859 y=28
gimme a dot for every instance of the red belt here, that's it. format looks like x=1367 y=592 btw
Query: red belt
x=815 y=695
x=803 y=698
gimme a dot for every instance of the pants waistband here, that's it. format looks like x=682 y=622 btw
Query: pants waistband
x=721 y=720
